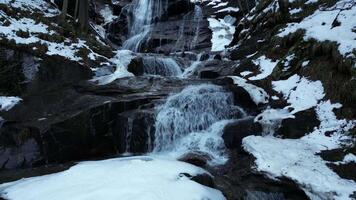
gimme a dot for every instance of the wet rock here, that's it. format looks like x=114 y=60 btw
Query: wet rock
x=303 y=123
x=234 y=133
x=136 y=66
x=204 y=179
x=196 y=158
x=346 y=171
x=209 y=73
x=134 y=131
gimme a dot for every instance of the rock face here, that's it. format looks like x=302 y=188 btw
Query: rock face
x=304 y=122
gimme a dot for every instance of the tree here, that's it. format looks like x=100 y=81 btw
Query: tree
x=64 y=10
x=83 y=14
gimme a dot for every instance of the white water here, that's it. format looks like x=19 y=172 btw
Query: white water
x=143 y=14
x=193 y=120
x=161 y=66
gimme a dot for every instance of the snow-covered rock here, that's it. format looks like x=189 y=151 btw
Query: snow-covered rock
x=136 y=178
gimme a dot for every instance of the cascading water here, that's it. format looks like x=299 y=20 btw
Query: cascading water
x=193 y=120
x=193 y=20
x=198 y=17
x=143 y=14
x=161 y=66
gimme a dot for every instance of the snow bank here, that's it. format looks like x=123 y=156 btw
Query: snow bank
x=139 y=178
x=6 y=103
x=319 y=26
x=266 y=66
x=257 y=94
x=223 y=32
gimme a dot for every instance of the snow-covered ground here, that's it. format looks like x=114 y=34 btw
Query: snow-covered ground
x=138 y=178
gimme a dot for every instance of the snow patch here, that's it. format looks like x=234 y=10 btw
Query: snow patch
x=266 y=67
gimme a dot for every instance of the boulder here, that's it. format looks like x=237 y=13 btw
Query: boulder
x=303 y=123
x=234 y=133
x=196 y=158
x=136 y=66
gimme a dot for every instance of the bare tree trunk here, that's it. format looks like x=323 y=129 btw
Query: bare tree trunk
x=64 y=10
x=83 y=14
x=76 y=9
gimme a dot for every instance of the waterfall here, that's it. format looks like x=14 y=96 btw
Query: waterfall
x=161 y=66
x=198 y=17
x=144 y=12
x=193 y=120
x=194 y=22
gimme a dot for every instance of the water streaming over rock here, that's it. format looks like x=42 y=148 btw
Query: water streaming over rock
x=163 y=66
x=193 y=120
x=144 y=12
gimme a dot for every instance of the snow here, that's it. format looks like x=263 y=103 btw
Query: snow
x=122 y=59
x=223 y=31
x=318 y=26
x=6 y=103
x=107 y=14
x=300 y=92
x=139 y=178
x=229 y=9
x=295 y=11
x=220 y=4
x=305 y=63
x=349 y=158
x=266 y=67
x=257 y=94
x=61 y=49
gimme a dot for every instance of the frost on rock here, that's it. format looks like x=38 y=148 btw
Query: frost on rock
x=223 y=32
x=257 y=94
x=139 y=178
x=319 y=26
x=6 y=103
x=266 y=67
